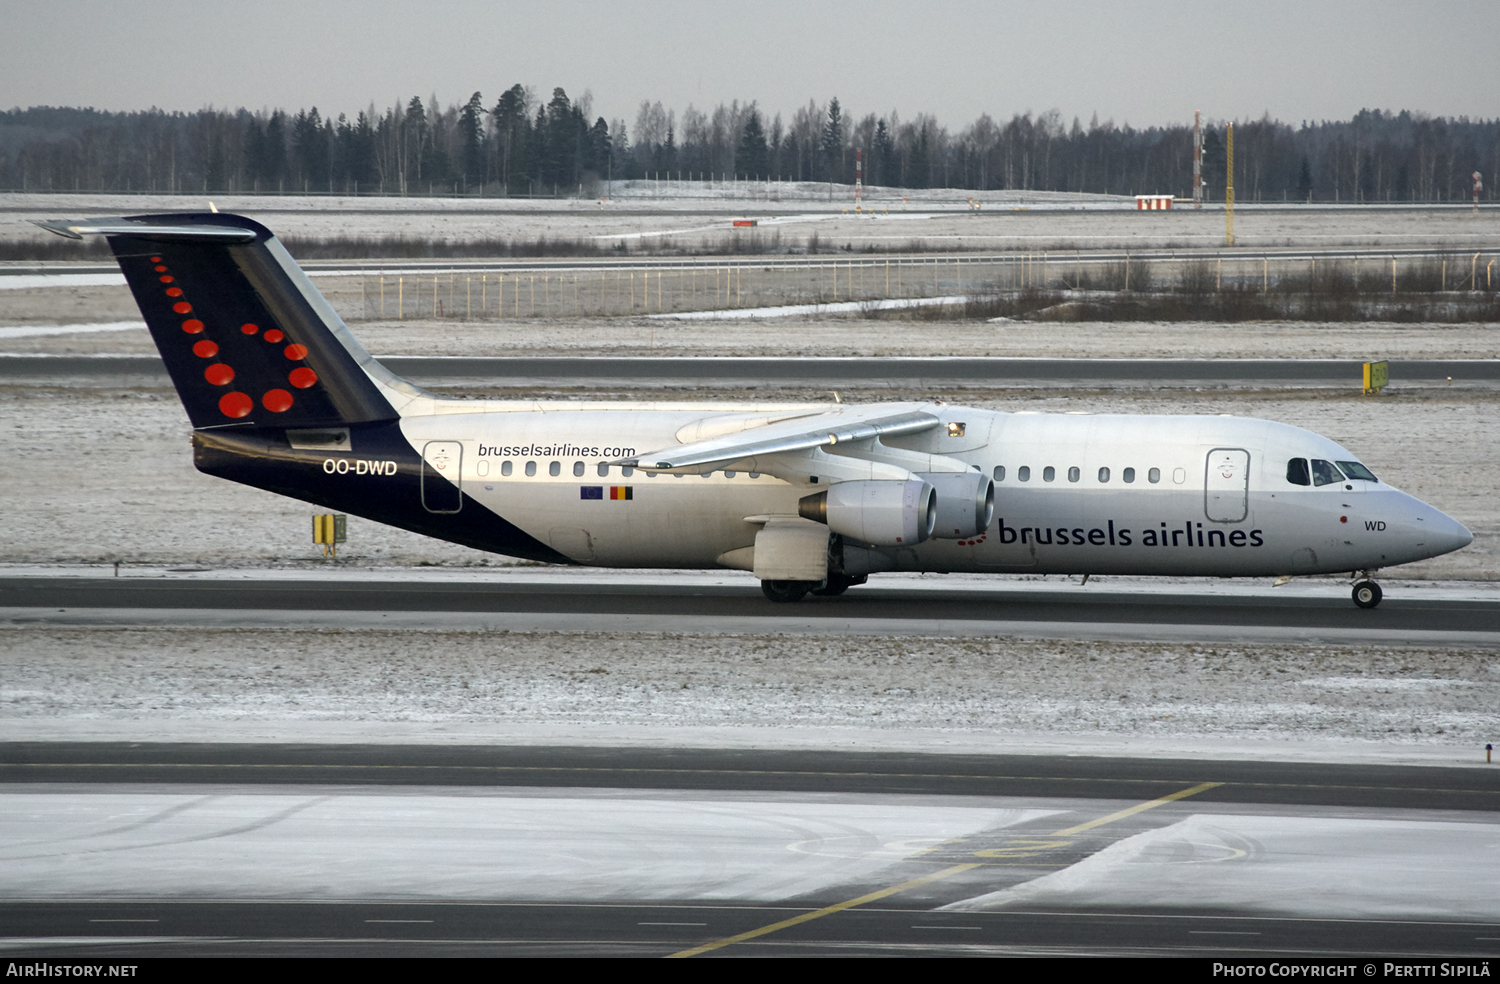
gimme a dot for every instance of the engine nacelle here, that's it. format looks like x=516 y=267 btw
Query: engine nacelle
x=887 y=514
x=965 y=503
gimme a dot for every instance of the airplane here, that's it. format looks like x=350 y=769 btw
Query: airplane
x=807 y=497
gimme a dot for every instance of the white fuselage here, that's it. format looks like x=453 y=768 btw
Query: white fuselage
x=1074 y=493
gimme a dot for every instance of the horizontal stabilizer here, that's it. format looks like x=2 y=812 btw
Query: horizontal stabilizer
x=151 y=231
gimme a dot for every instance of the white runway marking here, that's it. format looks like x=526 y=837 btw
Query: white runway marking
x=27 y=281
x=32 y=331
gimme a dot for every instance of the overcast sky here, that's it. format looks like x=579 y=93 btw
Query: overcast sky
x=1144 y=63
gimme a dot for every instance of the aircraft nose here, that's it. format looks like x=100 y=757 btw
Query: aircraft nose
x=1447 y=534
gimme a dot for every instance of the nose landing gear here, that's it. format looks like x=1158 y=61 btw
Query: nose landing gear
x=1366 y=592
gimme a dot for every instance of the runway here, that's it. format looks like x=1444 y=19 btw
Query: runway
x=1316 y=611
x=223 y=849
x=1000 y=372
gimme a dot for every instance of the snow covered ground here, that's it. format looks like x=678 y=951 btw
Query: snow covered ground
x=491 y=844
x=1360 y=867
x=934 y=218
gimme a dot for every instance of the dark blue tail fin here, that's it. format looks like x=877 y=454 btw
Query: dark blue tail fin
x=246 y=338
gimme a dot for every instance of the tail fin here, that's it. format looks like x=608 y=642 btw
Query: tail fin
x=246 y=338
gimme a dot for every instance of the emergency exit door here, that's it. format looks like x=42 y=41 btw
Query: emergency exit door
x=442 y=476
x=1226 y=485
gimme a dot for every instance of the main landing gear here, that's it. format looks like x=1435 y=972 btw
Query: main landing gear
x=1366 y=592
x=784 y=592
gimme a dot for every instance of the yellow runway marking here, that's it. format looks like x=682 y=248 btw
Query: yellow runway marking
x=826 y=911
x=1138 y=808
x=935 y=876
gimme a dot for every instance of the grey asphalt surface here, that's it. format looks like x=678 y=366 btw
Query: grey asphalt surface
x=746 y=605
x=902 y=923
x=994 y=371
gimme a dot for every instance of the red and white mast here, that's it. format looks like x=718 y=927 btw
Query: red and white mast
x=1197 y=159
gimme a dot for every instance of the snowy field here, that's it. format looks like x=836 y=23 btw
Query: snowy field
x=1359 y=867
x=75 y=450
x=932 y=219
x=490 y=844
x=711 y=689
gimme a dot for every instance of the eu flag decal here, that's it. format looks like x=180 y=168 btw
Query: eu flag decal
x=591 y=492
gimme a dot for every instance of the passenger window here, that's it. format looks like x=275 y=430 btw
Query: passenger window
x=1049 y=473
x=1179 y=475
x=626 y=470
x=577 y=469
x=530 y=468
x=603 y=470
x=1356 y=470
x=1103 y=475
x=1324 y=473
x=554 y=469
x=1024 y=473
x=999 y=473
x=1153 y=476
x=1296 y=472
x=728 y=474
x=1128 y=475
x=1074 y=474
x=506 y=468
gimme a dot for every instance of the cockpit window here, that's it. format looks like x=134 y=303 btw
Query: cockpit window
x=1356 y=470
x=1296 y=472
x=1324 y=473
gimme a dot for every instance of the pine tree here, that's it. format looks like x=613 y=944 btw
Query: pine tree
x=833 y=143
x=471 y=135
x=751 y=157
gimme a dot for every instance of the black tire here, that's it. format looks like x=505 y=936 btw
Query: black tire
x=1367 y=594
x=837 y=584
x=785 y=592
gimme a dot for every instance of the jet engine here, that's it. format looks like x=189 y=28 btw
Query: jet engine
x=965 y=503
x=887 y=514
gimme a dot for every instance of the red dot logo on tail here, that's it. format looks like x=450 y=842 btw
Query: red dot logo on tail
x=273 y=335
x=219 y=374
x=295 y=352
x=277 y=400
x=205 y=349
x=249 y=329
x=165 y=280
x=192 y=326
x=302 y=377
x=182 y=307
x=174 y=291
x=236 y=404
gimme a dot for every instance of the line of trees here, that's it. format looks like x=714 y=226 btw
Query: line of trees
x=523 y=145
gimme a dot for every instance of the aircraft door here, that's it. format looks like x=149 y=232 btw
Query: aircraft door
x=1226 y=485
x=442 y=476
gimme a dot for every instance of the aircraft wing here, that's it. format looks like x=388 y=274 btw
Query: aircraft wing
x=801 y=434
